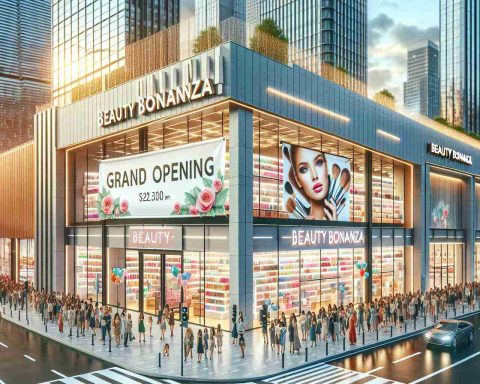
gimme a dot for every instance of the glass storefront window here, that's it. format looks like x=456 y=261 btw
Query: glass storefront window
x=81 y=270
x=132 y=289
x=446 y=266
x=268 y=135
x=446 y=202
x=289 y=282
x=27 y=261
x=5 y=257
x=152 y=272
x=388 y=262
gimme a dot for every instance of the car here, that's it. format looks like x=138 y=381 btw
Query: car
x=450 y=333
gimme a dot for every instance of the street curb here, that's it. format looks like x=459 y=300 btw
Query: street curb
x=242 y=380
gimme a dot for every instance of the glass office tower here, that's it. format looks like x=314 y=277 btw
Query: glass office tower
x=24 y=67
x=211 y=13
x=422 y=88
x=90 y=38
x=460 y=62
x=324 y=31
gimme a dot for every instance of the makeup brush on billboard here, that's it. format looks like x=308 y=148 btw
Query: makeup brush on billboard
x=300 y=207
x=292 y=208
x=335 y=173
x=344 y=185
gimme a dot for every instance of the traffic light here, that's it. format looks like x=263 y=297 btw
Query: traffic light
x=184 y=316
x=234 y=313
x=264 y=315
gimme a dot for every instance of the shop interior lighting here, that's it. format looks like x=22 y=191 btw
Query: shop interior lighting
x=326 y=112
x=388 y=135
x=206 y=237
x=262 y=237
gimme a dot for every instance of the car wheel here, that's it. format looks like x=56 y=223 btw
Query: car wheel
x=454 y=343
x=470 y=337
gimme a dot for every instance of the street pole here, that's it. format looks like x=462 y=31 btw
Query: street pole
x=181 y=332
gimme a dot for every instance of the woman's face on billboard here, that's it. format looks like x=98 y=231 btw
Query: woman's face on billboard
x=311 y=173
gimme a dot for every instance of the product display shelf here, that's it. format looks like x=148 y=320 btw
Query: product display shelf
x=90 y=192
x=152 y=269
x=267 y=186
x=385 y=203
x=289 y=282
x=265 y=275
x=133 y=277
x=217 y=285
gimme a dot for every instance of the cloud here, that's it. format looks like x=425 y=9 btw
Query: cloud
x=407 y=35
x=381 y=22
x=378 y=78
x=377 y=27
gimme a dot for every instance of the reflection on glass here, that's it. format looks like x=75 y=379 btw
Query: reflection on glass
x=152 y=271
x=132 y=289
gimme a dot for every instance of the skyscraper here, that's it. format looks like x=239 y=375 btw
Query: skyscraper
x=460 y=63
x=24 y=67
x=212 y=13
x=421 y=91
x=324 y=31
x=90 y=40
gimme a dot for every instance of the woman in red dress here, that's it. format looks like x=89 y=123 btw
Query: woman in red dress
x=60 y=321
x=352 y=332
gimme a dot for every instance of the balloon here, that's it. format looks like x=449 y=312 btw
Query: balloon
x=342 y=288
x=362 y=272
x=175 y=271
x=184 y=283
x=185 y=276
x=358 y=265
x=188 y=275
x=117 y=280
x=365 y=276
x=364 y=265
x=113 y=278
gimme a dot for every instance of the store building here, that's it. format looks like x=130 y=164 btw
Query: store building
x=255 y=182
x=17 y=177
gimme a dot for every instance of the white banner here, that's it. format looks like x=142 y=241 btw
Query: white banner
x=181 y=181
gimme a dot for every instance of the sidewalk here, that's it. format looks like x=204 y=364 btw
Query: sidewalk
x=259 y=361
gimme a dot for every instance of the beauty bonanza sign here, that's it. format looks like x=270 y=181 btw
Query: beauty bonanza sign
x=183 y=181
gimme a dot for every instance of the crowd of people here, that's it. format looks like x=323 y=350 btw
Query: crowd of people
x=70 y=311
x=331 y=323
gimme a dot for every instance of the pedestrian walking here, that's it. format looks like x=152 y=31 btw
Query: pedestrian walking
x=150 y=323
x=141 y=327
x=128 y=330
x=117 y=328
x=219 y=338
x=171 y=322
x=200 y=349
x=212 y=341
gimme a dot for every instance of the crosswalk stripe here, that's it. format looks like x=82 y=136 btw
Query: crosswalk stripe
x=327 y=374
x=134 y=376
x=297 y=370
x=294 y=375
x=114 y=375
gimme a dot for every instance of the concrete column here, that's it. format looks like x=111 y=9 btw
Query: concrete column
x=369 y=218
x=469 y=218
x=241 y=212
x=421 y=224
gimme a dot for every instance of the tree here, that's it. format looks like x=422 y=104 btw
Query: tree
x=208 y=38
x=386 y=98
x=269 y=40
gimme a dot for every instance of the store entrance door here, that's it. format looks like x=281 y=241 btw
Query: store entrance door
x=158 y=285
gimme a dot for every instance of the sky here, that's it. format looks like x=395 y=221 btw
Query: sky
x=393 y=25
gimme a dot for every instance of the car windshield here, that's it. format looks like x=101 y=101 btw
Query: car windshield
x=446 y=326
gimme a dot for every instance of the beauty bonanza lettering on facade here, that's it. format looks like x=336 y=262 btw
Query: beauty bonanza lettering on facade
x=191 y=91
x=449 y=153
x=323 y=237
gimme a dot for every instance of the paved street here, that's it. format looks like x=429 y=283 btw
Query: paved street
x=410 y=361
x=29 y=358
x=260 y=359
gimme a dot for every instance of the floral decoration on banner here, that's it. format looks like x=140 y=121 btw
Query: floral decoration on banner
x=207 y=201
x=440 y=215
x=109 y=207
